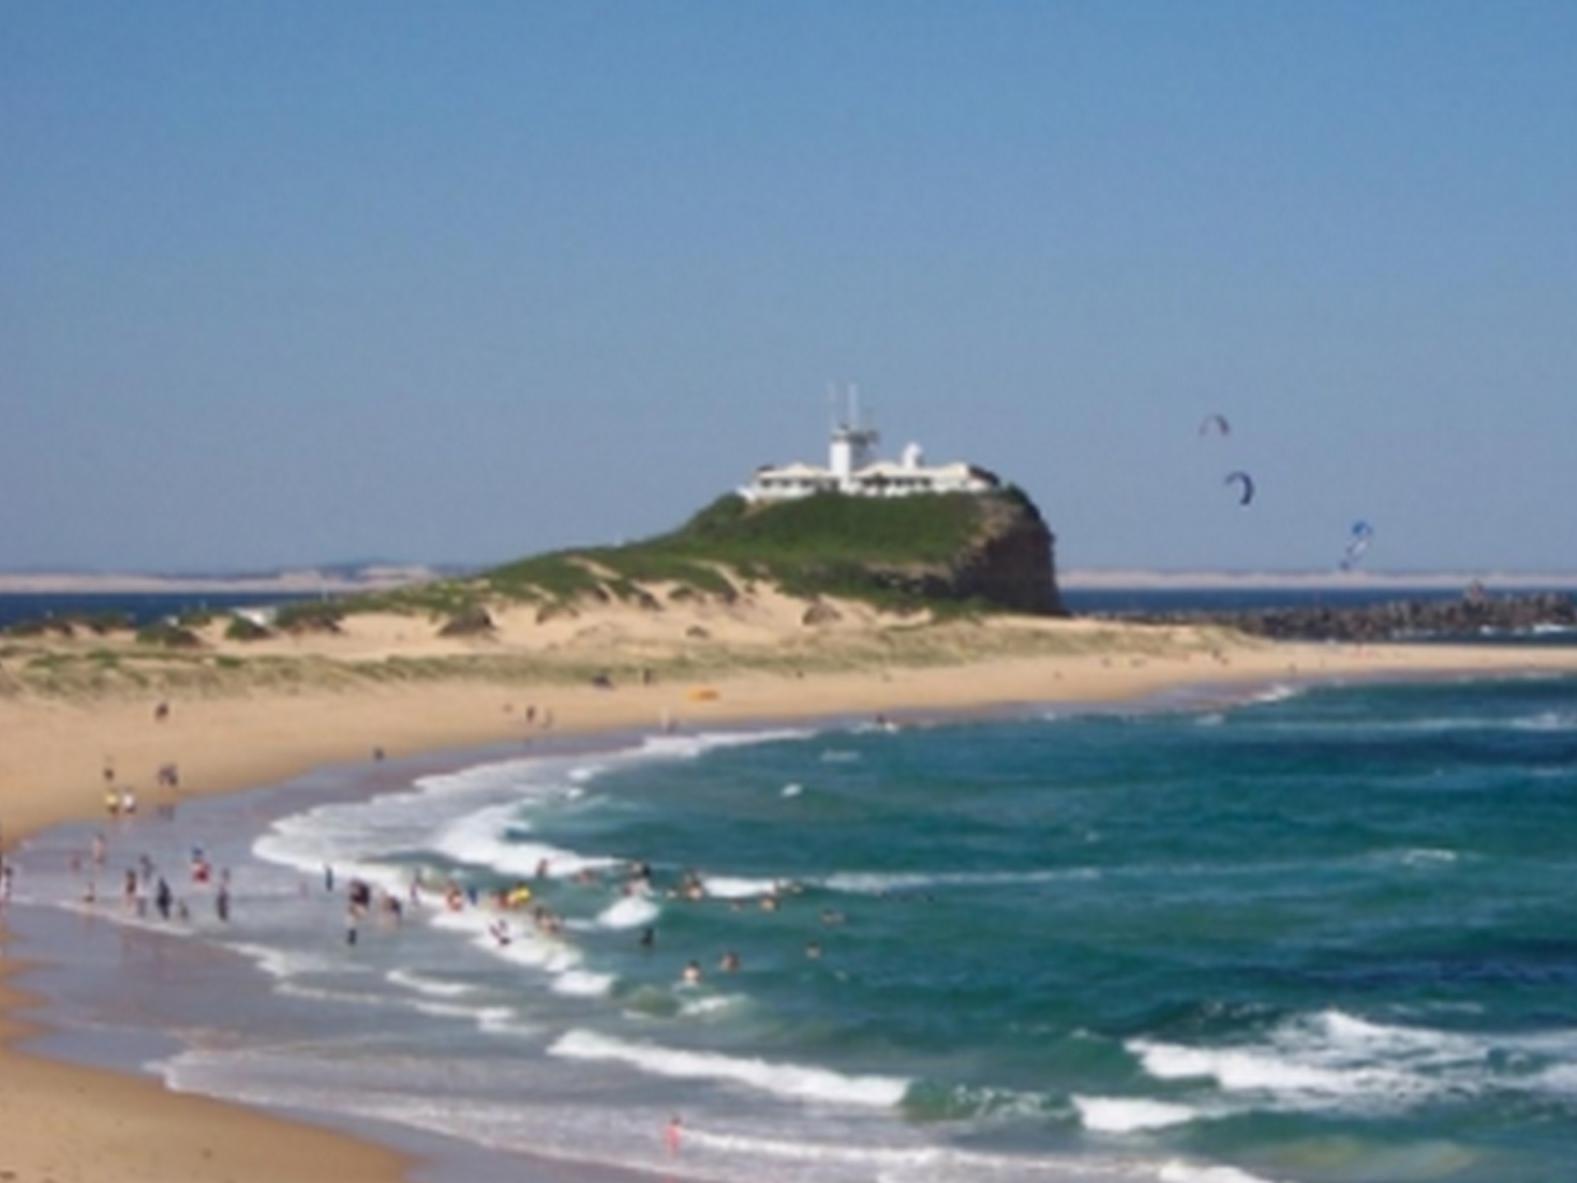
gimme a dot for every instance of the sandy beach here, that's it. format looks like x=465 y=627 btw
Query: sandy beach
x=67 y=1123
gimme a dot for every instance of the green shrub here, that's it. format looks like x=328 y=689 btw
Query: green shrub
x=241 y=628
x=168 y=635
x=310 y=616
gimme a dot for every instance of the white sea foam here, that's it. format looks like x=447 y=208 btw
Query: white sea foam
x=1561 y=1078
x=1546 y=721
x=792 y=790
x=879 y=882
x=629 y=911
x=580 y=983
x=1125 y=1115
x=1276 y=692
x=1178 y=1171
x=281 y=964
x=526 y=946
x=454 y=1010
x=729 y=887
x=711 y=1004
x=1232 y=1069
x=422 y=984
x=1424 y=856
x=489 y=838
x=1330 y=1060
x=889 y=1164
x=688 y=747
x=796 y=1081
x=353 y=836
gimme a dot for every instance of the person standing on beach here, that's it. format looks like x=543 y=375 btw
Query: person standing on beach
x=673 y=1134
x=162 y=899
x=222 y=903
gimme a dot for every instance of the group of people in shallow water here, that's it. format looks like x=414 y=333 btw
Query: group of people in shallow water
x=143 y=885
x=524 y=898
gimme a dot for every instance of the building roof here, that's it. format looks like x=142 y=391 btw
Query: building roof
x=798 y=470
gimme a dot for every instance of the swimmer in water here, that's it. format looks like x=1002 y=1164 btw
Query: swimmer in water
x=692 y=974
x=673 y=1134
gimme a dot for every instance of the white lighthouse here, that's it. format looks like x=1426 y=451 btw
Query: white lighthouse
x=853 y=445
x=853 y=469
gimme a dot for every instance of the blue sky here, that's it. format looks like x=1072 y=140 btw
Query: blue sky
x=297 y=282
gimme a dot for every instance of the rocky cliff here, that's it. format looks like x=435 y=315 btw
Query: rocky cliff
x=1007 y=560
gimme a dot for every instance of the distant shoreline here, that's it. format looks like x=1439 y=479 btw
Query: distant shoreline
x=313 y=581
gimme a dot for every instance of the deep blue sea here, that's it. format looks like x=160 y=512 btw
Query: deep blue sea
x=1322 y=936
x=143 y=608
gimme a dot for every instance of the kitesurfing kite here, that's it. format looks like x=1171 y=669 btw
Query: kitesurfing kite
x=1245 y=484
x=1215 y=425
x=1358 y=539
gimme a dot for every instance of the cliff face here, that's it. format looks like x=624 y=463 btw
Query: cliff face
x=1008 y=561
x=1014 y=562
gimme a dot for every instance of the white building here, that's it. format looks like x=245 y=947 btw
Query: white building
x=852 y=468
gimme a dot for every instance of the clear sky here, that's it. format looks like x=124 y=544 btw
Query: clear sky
x=290 y=282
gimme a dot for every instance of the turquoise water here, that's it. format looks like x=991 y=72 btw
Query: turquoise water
x=1328 y=935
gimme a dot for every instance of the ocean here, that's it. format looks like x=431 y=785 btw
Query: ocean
x=142 y=607
x=1314 y=935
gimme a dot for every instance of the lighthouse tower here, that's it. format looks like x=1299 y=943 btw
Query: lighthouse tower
x=853 y=444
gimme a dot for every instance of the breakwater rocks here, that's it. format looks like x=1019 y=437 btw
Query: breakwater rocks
x=1475 y=614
